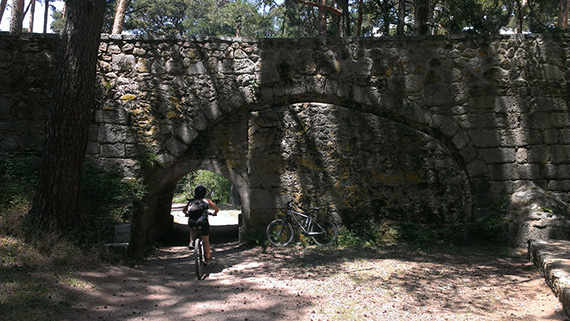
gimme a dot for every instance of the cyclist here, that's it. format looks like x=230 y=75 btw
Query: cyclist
x=197 y=213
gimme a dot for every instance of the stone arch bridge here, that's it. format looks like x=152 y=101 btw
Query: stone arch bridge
x=433 y=130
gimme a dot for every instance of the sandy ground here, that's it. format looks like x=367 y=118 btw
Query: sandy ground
x=266 y=283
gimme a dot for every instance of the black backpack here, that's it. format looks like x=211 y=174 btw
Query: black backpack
x=196 y=208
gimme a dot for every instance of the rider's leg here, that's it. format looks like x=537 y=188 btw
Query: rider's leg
x=206 y=242
x=193 y=234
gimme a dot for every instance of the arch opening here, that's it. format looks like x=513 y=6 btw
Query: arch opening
x=224 y=227
x=158 y=221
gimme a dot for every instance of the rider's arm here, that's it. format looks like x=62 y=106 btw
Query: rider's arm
x=212 y=205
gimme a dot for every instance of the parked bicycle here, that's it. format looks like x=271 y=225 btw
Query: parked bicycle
x=280 y=232
x=199 y=254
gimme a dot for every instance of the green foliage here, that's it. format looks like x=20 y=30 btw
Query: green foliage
x=291 y=19
x=148 y=161
x=218 y=187
x=200 y=18
x=479 y=16
x=107 y=199
x=255 y=239
x=368 y=232
x=374 y=232
x=58 y=23
x=489 y=230
x=19 y=177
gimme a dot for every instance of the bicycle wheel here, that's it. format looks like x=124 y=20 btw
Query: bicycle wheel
x=323 y=232
x=279 y=232
x=199 y=264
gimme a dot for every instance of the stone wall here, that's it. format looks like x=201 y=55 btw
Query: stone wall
x=436 y=129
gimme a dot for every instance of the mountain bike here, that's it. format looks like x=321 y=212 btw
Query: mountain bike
x=199 y=254
x=280 y=232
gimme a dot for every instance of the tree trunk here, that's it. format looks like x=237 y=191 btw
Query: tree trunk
x=519 y=26
x=344 y=19
x=565 y=21
x=2 y=8
x=119 y=21
x=322 y=19
x=46 y=13
x=32 y=13
x=401 y=17
x=359 y=21
x=563 y=13
x=55 y=205
x=422 y=17
x=17 y=21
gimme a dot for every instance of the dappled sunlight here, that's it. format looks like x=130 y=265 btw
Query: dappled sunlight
x=165 y=288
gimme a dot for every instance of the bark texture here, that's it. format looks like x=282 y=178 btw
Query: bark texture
x=56 y=202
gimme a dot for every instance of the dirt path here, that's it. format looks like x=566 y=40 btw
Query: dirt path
x=317 y=284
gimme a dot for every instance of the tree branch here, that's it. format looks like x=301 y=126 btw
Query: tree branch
x=334 y=10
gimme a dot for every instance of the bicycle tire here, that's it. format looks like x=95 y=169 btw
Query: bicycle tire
x=279 y=232
x=327 y=232
x=199 y=264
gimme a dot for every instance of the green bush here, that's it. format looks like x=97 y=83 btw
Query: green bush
x=106 y=198
x=19 y=177
x=374 y=231
x=218 y=187
x=487 y=230
x=368 y=232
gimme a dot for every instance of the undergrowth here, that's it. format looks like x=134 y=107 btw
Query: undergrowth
x=370 y=232
x=37 y=269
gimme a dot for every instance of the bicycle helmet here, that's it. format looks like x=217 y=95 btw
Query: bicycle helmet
x=199 y=191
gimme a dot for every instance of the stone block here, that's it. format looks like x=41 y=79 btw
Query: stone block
x=112 y=133
x=460 y=140
x=122 y=233
x=560 y=154
x=477 y=168
x=243 y=66
x=513 y=172
x=196 y=69
x=545 y=104
x=511 y=104
x=548 y=120
x=553 y=171
x=112 y=150
x=112 y=116
x=174 y=66
x=485 y=137
x=123 y=63
x=498 y=155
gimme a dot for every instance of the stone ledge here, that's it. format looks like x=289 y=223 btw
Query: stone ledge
x=552 y=257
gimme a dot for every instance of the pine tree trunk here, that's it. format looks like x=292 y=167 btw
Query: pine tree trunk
x=345 y=19
x=17 y=21
x=565 y=15
x=119 y=21
x=2 y=8
x=401 y=17
x=46 y=13
x=32 y=14
x=519 y=26
x=55 y=205
x=322 y=20
x=422 y=17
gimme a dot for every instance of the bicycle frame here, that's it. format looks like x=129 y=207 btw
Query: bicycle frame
x=305 y=223
x=281 y=231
